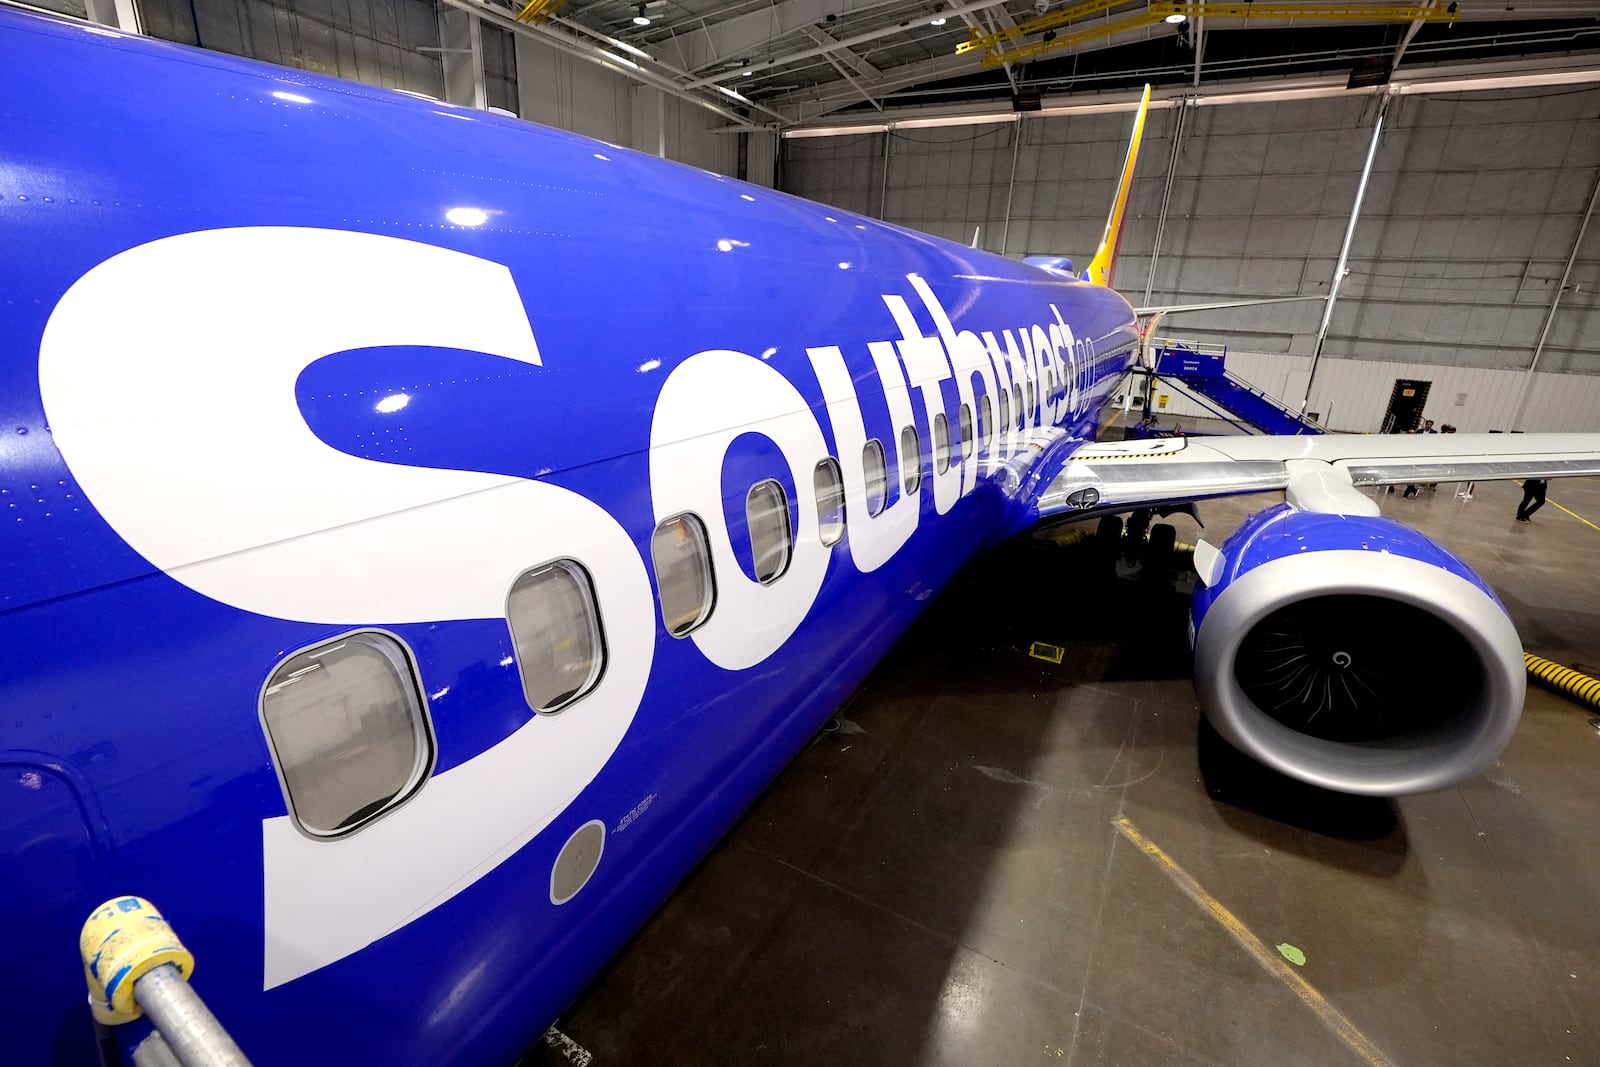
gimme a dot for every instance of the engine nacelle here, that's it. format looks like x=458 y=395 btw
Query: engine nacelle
x=1355 y=654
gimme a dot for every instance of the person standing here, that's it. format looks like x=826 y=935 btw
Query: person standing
x=1426 y=427
x=1532 y=498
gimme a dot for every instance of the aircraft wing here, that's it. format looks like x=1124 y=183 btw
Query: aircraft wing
x=1323 y=473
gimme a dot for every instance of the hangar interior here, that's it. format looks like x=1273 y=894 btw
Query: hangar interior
x=1466 y=268
x=990 y=856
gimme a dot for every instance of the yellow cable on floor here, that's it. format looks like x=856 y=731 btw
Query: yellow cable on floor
x=1578 y=686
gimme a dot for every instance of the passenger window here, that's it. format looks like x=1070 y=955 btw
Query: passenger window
x=684 y=581
x=1050 y=382
x=941 y=443
x=877 y=476
x=1022 y=412
x=1005 y=410
x=830 y=501
x=910 y=459
x=966 y=430
x=1032 y=407
x=985 y=421
x=766 y=510
x=555 y=627
x=348 y=732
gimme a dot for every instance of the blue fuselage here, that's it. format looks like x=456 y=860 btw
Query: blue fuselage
x=219 y=279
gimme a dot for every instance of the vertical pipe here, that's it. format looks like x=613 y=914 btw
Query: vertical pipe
x=1526 y=388
x=661 y=124
x=883 y=190
x=1344 y=251
x=1178 y=123
x=1011 y=186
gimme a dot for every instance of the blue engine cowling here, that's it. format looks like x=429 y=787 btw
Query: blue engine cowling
x=1354 y=653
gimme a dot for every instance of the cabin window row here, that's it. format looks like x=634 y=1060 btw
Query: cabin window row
x=347 y=720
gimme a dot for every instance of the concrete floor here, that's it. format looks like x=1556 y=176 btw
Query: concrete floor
x=939 y=880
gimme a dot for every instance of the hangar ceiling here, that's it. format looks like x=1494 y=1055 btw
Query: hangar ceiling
x=795 y=61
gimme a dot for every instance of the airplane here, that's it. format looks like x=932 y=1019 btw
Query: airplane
x=425 y=533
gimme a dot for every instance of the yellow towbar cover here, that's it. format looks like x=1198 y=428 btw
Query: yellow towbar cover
x=123 y=940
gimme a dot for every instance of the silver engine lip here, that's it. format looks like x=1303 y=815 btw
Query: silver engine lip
x=1414 y=763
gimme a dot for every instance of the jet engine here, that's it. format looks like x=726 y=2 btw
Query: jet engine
x=1353 y=653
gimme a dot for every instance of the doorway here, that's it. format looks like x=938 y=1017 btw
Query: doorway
x=1406 y=402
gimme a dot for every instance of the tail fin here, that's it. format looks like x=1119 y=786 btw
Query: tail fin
x=1105 y=257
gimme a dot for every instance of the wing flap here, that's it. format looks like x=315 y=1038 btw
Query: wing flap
x=1120 y=476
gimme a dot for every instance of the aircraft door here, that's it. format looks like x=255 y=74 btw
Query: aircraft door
x=53 y=872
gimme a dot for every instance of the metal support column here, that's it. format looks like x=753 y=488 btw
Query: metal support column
x=1011 y=186
x=118 y=14
x=1178 y=123
x=1526 y=388
x=883 y=189
x=661 y=124
x=461 y=57
x=1344 y=251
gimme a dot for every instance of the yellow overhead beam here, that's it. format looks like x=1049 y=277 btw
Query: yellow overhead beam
x=987 y=41
x=538 y=10
x=1316 y=12
x=1161 y=10
x=1066 y=40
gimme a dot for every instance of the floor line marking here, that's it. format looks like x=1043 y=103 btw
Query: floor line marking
x=1575 y=515
x=1270 y=961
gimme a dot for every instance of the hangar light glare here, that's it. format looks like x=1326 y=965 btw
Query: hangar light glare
x=293 y=98
x=1175 y=19
x=466 y=216
x=390 y=404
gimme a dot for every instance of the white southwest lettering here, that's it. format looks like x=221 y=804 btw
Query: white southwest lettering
x=152 y=388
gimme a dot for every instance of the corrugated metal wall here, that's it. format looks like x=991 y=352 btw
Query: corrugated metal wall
x=574 y=94
x=379 y=43
x=1353 y=395
x=395 y=44
x=1473 y=208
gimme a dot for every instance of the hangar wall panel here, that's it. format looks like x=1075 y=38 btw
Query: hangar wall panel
x=395 y=45
x=364 y=41
x=1352 y=395
x=1474 y=204
x=561 y=90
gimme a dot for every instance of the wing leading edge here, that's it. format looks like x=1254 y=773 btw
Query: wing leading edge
x=1322 y=474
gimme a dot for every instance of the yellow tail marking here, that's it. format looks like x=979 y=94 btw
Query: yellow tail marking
x=1105 y=256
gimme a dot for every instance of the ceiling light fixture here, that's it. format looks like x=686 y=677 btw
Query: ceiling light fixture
x=938 y=20
x=1178 y=18
x=641 y=19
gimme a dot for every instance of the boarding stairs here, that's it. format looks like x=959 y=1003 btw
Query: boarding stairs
x=1201 y=371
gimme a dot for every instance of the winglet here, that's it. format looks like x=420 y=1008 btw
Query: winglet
x=1105 y=257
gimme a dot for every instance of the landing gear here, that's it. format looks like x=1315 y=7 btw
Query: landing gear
x=1158 y=553
x=1107 y=547
x=1133 y=538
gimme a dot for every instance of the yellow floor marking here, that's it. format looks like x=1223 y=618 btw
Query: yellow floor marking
x=1270 y=961
x=1575 y=515
x=1111 y=421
